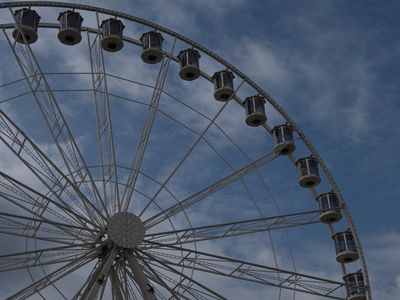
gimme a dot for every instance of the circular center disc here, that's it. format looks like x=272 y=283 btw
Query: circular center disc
x=126 y=230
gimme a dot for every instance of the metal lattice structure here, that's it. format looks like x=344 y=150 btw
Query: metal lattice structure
x=87 y=218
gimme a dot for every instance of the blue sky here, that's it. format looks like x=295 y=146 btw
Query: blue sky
x=332 y=65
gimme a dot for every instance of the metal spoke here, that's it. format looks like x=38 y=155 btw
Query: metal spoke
x=37 y=204
x=79 y=292
x=77 y=232
x=241 y=227
x=41 y=219
x=63 y=241
x=41 y=260
x=148 y=123
x=9 y=223
x=40 y=251
x=159 y=278
x=195 y=198
x=42 y=167
x=247 y=271
x=156 y=278
x=53 y=116
x=161 y=282
x=103 y=121
x=180 y=163
x=17 y=195
x=195 y=285
x=53 y=277
x=9 y=226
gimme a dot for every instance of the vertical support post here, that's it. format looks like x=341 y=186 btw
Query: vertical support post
x=140 y=278
x=115 y=285
x=99 y=276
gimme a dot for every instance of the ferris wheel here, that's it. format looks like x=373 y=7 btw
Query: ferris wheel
x=138 y=164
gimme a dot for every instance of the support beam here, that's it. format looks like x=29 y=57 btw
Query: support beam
x=161 y=282
x=105 y=136
x=225 y=230
x=116 y=288
x=193 y=287
x=139 y=277
x=54 y=118
x=148 y=124
x=181 y=162
x=99 y=276
x=45 y=170
x=244 y=270
x=68 y=230
x=197 y=197
x=53 y=277
x=41 y=260
x=27 y=199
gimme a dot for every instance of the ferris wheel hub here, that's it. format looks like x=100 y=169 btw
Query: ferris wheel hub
x=126 y=230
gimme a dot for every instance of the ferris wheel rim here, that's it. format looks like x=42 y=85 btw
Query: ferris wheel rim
x=237 y=72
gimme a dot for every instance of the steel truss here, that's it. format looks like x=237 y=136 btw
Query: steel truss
x=104 y=124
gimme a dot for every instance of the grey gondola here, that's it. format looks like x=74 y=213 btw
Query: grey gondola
x=152 y=47
x=111 y=31
x=223 y=85
x=255 y=111
x=189 y=60
x=27 y=20
x=70 y=27
x=309 y=173
x=345 y=246
x=355 y=286
x=329 y=207
x=283 y=137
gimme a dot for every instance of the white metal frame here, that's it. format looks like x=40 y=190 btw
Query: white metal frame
x=80 y=236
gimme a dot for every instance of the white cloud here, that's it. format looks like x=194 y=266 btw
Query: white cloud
x=262 y=63
x=382 y=252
